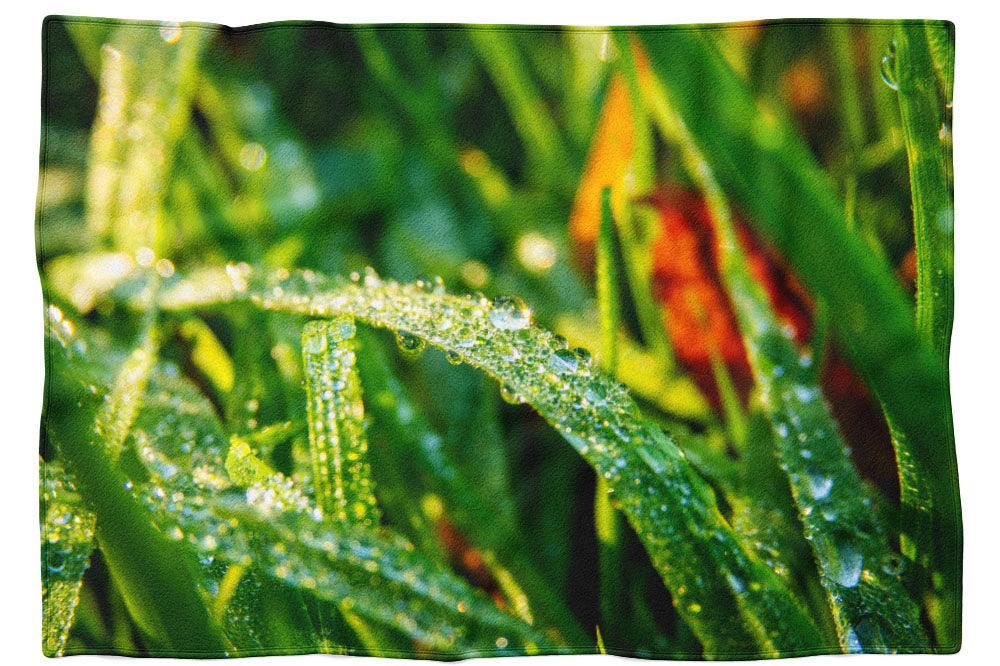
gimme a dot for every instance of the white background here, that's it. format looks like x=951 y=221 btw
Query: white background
x=974 y=362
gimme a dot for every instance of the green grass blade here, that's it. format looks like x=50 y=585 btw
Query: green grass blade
x=841 y=38
x=154 y=577
x=872 y=608
x=762 y=162
x=402 y=433
x=670 y=507
x=277 y=531
x=67 y=541
x=122 y=403
x=920 y=48
x=337 y=444
x=607 y=522
x=608 y=298
x=921 y=110
x=941 y=42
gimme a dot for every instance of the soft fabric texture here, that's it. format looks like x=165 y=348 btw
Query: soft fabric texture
x=445 y=341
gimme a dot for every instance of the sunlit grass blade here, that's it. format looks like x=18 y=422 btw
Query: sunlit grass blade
x=337 y=444
x=122 y=403
x=139 y=121
x=84 y=279
x=922 y=111
x=67 y=536
x=762 y=162
x=873 y=610
x=208 y=355
x=670 y=507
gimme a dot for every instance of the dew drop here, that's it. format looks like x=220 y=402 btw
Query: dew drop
x=849 y=565
x=453 y=357
x=509 y=395
x=509 y=353
x=893 y=564
x=409 y=343
x=564 y=361
x=888 y=69
x=820 y=486
x=596 y=394
x=315 y=344
x=509 y=313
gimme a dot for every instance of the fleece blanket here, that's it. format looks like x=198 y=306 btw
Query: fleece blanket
x=447 y=341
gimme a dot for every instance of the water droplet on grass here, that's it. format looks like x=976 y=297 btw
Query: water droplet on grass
x=893 y=564
x=409 y=343
x=564 y=361
x=509 y=313
x=510 y=396
x=849 y=564
x=888 y=69
x=820 y=486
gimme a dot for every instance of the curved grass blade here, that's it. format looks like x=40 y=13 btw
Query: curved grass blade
x=338 y=448
x=404 y=434
x=271 y=526
x=873 y=610
x=668 y=504
x=759 y=158
x=67 y=537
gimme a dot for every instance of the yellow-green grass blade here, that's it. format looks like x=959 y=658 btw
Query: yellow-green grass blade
x=338 y=447
x=67 y=536
x=146 y=85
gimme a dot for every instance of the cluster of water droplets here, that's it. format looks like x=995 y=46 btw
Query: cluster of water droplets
x=67 y=538
x=667 y=502
x=338 y=446
x=834 y=505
